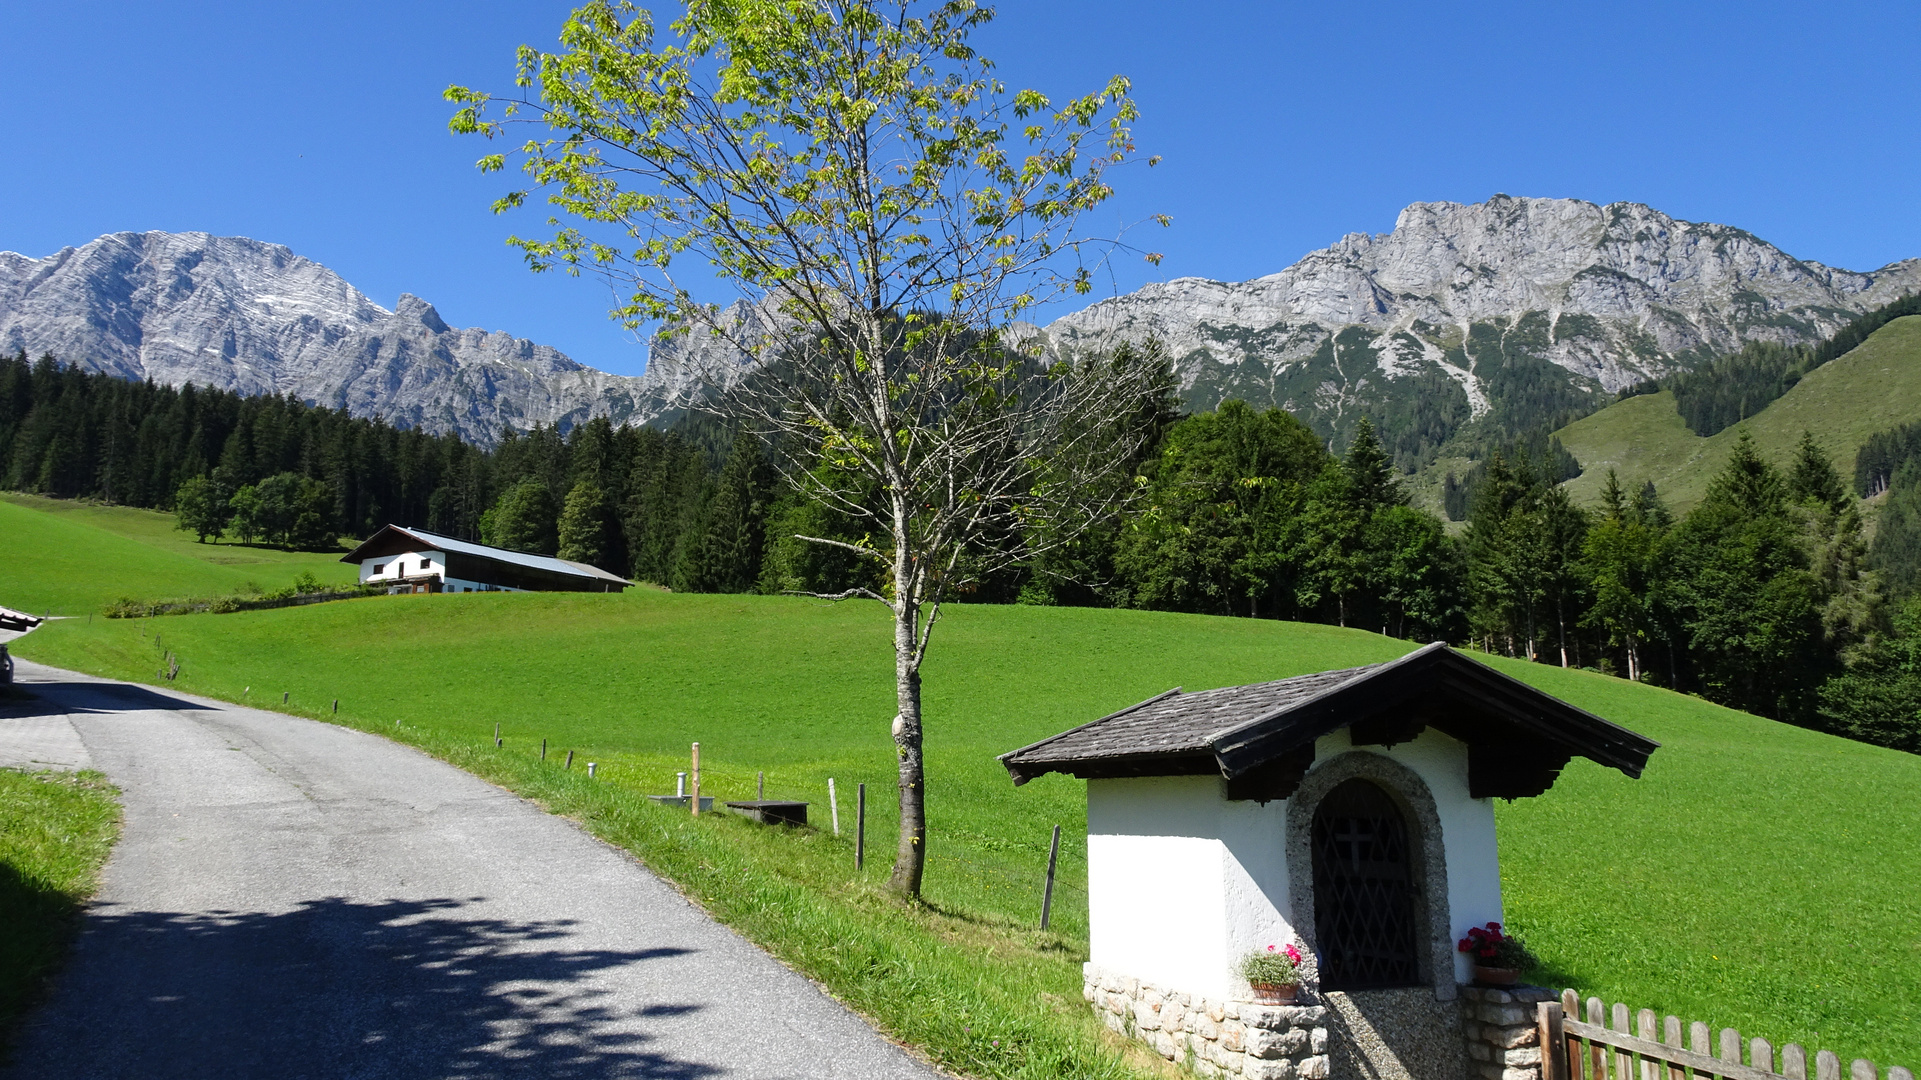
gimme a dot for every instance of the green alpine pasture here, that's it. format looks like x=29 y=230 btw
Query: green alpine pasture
x=72 y=558
x=55 y=832
x=1758 y=876
x=1871 y=388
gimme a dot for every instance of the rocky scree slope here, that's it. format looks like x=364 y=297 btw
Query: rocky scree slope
x=1493 y=318
x=242 y=315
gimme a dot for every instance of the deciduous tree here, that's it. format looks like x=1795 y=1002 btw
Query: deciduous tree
x=855 y=166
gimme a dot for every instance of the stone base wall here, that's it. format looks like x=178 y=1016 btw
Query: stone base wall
x=1213 y=1037
x=1503 y=1035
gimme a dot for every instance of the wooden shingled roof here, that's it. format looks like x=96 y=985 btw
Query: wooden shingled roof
x=1260 y=738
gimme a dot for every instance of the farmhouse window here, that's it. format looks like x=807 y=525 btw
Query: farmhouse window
x=378 y=567
x=1363 y=890
x=425 y=565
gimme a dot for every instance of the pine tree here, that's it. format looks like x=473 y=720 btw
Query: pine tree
x=1743 y=594
x=583 y=524
x=524 y=519
x=1617 y=563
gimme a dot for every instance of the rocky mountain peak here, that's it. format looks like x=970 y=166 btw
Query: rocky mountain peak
x=1514 y=310
x=412 y=309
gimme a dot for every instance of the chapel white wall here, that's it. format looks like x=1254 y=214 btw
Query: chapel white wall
x=1182 y=882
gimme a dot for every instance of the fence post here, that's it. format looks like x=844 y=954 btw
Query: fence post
x=1570 y=1051
x=570 y=759
x=1548 y=1019
x=760 y=785
x=833 y=805
x=1644 y=1024
x=1047 y=894
x=1597 y=1054
x=1671 y=1036
x=695 y=801
x=543 y=749
x=1794 y=1061
x=860 y=826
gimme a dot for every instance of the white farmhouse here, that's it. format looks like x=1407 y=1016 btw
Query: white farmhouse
x=1349 y=812
x=418 y=561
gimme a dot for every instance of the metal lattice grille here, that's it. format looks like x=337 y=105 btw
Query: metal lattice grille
x=1363 y=891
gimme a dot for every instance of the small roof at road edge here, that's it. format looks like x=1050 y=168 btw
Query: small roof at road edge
x=1519 y=738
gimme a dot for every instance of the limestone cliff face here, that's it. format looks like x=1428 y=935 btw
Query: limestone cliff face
x=1508 y=313
x=1462 y=311
x=242 y=315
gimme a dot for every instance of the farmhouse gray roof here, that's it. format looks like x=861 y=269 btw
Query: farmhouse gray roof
x=1260 y=738
x=380 y=544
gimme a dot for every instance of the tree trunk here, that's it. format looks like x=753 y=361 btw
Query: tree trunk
x=910 y=857
x=1560 y=613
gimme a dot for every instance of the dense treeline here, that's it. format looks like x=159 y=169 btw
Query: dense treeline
x=663 y=506
x=1732 y=388
x=1763 y=597
x=1890 y=463
x=74 y=434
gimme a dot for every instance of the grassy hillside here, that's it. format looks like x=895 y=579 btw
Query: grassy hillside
x=1758 y=875
x=72 y=558
x=1871 y=388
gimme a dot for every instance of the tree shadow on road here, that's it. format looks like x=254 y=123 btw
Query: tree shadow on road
x=334 y=988
x=56 y=698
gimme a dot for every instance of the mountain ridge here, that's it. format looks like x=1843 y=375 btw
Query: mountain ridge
x=1464 y=322
x=1571 y=301
x=246 y=315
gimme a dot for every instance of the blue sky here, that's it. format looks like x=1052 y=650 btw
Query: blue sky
x=1282 y=126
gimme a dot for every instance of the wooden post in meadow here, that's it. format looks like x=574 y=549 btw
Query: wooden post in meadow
x=695 y=801
x=833 y=805
x=543 y=749
x=496 y=736
x=860 y=826
x=760 y=785
x=570 y=759
x=1047 y=893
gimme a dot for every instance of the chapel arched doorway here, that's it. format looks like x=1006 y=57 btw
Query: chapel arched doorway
x=1364 y=890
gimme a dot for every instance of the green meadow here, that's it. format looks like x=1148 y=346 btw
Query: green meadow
x=1758 y=876
x=1871 y=388
x=70 y=558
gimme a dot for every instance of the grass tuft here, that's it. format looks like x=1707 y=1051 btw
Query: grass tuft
x=55 y=832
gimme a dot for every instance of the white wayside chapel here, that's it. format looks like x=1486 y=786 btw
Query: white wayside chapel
x=1347 y=812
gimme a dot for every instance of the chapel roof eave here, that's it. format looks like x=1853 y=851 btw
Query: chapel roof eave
x=1260 y=730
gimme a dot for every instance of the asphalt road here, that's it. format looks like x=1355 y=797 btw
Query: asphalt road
x=292 y=899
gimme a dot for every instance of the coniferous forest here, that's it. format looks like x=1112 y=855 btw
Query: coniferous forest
x=1766 y=597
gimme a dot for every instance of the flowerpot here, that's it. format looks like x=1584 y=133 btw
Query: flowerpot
x=1277 y=995
x=1493 y=976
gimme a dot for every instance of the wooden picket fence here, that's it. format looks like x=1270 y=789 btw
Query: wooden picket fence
x=1602 y=1048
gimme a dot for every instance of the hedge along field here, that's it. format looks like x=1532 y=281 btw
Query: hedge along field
x=72 y=558
x=1759 y=876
